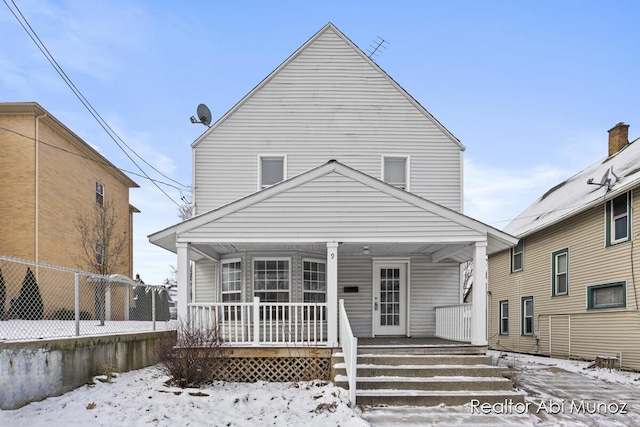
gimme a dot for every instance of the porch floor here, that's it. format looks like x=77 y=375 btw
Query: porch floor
x=417 y=345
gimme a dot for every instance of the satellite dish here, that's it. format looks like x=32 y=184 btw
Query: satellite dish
x=204 y=115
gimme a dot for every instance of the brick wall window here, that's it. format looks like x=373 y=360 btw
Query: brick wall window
x=99 y=193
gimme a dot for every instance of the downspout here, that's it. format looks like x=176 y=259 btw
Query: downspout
x=37 y=189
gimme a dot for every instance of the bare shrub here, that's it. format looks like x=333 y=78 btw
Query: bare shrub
x=197 y=357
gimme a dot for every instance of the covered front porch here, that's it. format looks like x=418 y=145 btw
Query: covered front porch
x=271 y=268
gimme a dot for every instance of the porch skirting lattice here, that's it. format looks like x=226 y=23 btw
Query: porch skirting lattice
x=274 y=369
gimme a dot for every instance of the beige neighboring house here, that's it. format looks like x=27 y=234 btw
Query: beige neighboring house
x=49 y=174
x=568 y=288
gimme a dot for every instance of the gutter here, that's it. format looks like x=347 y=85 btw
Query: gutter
x=37 y=189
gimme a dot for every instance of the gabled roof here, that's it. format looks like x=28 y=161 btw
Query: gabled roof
x=328 y=27
x=575 y=195
x=427 y=218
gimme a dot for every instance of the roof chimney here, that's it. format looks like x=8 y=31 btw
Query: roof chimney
x=618 y=138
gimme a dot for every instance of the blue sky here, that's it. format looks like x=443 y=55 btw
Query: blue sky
x=529 y=87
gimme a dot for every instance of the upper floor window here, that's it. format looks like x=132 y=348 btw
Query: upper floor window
x=517 y=255
x=618 y=219
x=560 y=272
x=395 y=171
x=271 y=170
x=231 y=280
x=99 y=193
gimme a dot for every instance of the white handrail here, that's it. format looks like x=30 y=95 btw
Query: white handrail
x=349 y=345
x=453 y=322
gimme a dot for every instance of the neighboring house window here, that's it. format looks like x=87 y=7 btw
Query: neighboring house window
x=99 y=193
x=517 y=254
x=271 y=279
x=395 y=171
x=560 y=272
x=609 y=295
x=272 y=170
x=504 y=317
x=618 y=219
x=527 y=315
x=99 y=253
x=231 y=280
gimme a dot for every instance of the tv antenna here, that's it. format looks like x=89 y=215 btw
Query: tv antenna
x=204 y=115
x=374 y=49
x=605 y=180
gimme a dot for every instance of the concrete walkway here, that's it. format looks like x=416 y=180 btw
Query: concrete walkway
x=556 y=397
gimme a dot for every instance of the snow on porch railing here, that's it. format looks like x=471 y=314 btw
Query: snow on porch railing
x=453 y=322
x=264 y=323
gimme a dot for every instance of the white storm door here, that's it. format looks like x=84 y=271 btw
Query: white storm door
x=390 y=299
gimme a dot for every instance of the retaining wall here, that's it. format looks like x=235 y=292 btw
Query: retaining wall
x=34 y=370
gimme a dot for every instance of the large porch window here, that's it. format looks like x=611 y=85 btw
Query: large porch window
x=272 y=279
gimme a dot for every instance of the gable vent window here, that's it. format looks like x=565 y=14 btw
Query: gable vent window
x=272 y=170
x=395 y=171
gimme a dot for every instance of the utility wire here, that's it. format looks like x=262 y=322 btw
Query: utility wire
x=100 y=162
x=112 y=134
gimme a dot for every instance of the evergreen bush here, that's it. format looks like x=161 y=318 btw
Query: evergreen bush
x=30 y=306
x=3 y=296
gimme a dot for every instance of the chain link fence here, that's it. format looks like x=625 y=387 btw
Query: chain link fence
x=44 y=301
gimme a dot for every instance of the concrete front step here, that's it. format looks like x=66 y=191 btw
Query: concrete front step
x=449 y=383
x=429 y=370
x=436 y=397
x=461 y=349
x=422 y=359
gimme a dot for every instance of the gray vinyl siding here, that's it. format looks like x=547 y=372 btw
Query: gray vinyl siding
x=432 y=285
x=326 y=103
x=573 y=328
x=315 y=210
x=206 y=281
x=357 y=271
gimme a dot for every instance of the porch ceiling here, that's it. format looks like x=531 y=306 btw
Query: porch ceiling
x=453 y=251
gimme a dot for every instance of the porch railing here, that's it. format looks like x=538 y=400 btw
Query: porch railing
x=453 y=322
x=349 y=345
x=264 y=323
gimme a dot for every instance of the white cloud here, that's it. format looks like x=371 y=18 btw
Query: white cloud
x=496 y=195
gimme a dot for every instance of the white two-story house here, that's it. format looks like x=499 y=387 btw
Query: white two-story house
x=329 y=182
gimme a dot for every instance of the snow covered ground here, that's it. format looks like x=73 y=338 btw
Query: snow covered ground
x=141 y=398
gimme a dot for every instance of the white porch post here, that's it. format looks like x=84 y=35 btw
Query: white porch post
x=479 y=306
x=183 y=281
x=332 y=294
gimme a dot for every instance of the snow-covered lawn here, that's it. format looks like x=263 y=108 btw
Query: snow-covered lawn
x=141 y=398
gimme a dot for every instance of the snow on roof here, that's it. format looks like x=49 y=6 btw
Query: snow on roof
x=576 y=195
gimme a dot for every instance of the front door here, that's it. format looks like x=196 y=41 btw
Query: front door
x=390 y=299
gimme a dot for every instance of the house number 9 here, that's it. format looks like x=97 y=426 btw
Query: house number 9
x=333 y=255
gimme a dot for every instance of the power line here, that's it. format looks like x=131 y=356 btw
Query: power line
x=112 y=134
x=92 y=159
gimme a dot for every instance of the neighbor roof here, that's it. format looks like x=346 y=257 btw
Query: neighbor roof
x=575 y=195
